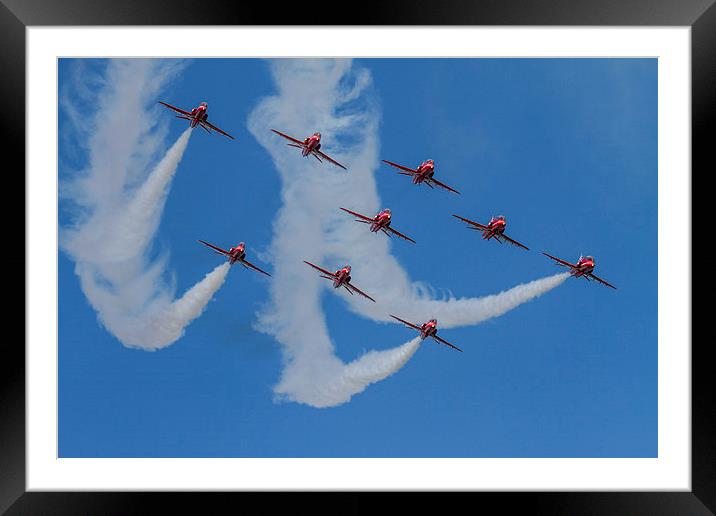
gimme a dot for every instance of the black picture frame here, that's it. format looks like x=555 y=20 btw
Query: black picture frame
x=700 y=15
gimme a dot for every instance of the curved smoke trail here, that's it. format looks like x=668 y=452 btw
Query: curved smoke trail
x=165 y=325
x=330 y=96
x=334 y=382
x=111 y=243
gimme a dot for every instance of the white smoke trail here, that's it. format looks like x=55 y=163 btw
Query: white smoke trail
x=126 y=232
x=375 y=366
x=168 y=325
x=333 y=382
x=120 y=215
x=412 y=303
x=330 y=96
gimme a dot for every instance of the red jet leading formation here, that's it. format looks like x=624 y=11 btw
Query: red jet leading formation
x=235 y=254
x=381 y=222
x=197 y=116
x=340 y=278
x=309 y=146
x=584 y=267
x=423 y=174
x=495 y=229
x=427 y=329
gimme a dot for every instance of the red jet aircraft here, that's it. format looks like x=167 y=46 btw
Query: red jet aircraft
x=340 y=278
x=309 y=146
x=495 y=229
x=424 y=173
x=197 y=116
x=235 y=254
x=583 y=267
x=427 y=329
x=381 y=222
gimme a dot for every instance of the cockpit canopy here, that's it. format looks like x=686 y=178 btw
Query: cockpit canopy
x=590 y=258
x=317 y=134
x=204 y=104
x=500 y=217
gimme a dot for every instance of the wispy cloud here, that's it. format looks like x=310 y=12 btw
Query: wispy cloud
x=119 y=199
x=334 y=97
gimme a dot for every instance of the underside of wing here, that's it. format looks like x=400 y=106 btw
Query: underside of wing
x=324 y=271
x=399 y=234
x=326 y=156
x=356 y=214
x=211 y=126
x=515 y=242
x=441 y=185
x=401 y=167
x=600 y=280
x=409 y=324
x=443 y=341
x=178 y=110
x=249 y=264
x=217 y=249
x=359 y=291
x=291 y=138
x=471 y=222
x=561 y=262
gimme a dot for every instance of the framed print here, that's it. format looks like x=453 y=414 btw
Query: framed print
x=503 y=212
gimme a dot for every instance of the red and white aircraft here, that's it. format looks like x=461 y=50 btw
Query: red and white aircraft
x=423 y=174
x=427 y=329
x=197 y=116
x=584 y=267
x=495 y=229
x=340 y=278
x=381 y=222
x=235 y=254
x=309 y=146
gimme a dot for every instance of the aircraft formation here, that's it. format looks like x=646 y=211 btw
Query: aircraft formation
x=381 y=222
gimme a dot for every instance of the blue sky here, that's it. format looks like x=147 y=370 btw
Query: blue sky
x=565 y=148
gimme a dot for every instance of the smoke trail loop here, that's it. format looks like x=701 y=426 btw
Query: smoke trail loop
x=110 y=244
